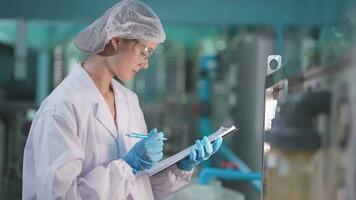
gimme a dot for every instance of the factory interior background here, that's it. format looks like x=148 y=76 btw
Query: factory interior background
x=284 y=72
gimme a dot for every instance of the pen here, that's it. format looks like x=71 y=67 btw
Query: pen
x=137 y=135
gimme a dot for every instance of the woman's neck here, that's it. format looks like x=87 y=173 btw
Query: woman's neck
x=100 y=73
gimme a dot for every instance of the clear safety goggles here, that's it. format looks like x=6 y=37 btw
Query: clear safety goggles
x=145 y=51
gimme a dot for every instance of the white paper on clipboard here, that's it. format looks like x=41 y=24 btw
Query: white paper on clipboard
x=184 y=153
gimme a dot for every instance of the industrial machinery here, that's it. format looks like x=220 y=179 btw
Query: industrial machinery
x=312 y=139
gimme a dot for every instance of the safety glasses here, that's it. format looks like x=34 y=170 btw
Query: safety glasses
x=146 y=51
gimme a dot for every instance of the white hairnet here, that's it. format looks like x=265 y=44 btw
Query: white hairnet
x=128 y=19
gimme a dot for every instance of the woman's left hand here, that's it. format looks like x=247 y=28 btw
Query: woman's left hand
x=202 y=150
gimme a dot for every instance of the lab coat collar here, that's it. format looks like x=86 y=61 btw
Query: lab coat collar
x=86 y=83
x=101 y=109
x=90 y=88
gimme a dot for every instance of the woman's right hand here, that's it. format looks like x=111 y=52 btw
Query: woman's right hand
x=146 y=152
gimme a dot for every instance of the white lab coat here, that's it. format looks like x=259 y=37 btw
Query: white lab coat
x=74 y=148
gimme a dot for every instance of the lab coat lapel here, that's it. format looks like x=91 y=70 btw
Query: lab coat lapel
x=101 y=109
x=103 y=115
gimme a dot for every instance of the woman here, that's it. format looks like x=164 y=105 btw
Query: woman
x=77 y=147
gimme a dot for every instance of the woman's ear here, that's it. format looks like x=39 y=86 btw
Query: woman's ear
x=115 y=42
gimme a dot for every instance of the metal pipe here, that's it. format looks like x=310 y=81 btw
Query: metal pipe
x=231 y=156
x=207 y=174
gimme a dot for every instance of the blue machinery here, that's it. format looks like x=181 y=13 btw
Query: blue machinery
x=207 y=66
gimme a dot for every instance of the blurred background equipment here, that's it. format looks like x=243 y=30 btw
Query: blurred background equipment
x=294 y=140
x=213 y=70
x=311 y=141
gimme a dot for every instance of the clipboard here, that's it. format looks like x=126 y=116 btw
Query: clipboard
x=160 y=166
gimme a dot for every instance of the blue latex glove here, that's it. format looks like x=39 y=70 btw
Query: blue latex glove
x=146 y=152
x=202 y=150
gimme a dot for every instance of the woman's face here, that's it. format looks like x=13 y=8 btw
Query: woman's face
x=131 y=57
